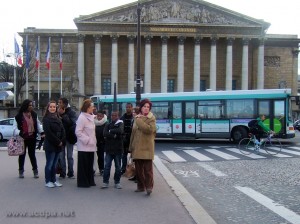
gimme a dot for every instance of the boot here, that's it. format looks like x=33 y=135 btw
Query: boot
x=21 y=173
x=35 y=173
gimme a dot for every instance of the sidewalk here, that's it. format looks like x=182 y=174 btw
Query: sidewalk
x=30 y=199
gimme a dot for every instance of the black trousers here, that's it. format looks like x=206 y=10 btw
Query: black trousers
x=85 y=171
x=30 y=146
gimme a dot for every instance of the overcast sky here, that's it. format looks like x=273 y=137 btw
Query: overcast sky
x=20 y=14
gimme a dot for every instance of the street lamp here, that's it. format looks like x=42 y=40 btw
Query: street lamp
x=138 y=64
x=15 y=76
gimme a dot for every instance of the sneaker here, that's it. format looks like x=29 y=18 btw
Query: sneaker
x=71 y=177
x=50 y=185
x=57 y=184
x=149 y=191
x=104 y=185
x=62 y=176
x=118 y=186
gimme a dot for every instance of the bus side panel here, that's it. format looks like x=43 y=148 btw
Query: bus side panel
x=215 y=126
x=163 y=126
x=177 y=126
x=190 y=126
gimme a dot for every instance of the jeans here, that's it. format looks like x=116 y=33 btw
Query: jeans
x=124 y=161
x=50 y=167
x=108 y=161
x=69 y=147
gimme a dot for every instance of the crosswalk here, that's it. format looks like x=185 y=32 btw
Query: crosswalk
x=219 y=153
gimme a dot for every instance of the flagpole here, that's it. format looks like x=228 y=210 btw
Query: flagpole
x=26 y=65
x=60 y=65
x=38 y=59
x=49 y=43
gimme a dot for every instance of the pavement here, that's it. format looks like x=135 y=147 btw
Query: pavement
x=29 y=201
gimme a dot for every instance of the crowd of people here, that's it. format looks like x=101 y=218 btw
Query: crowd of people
x=100 y=142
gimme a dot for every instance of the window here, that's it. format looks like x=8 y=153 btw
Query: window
x=161 y=110
x=210 y=109
x=202 y=85
x=240 y=108
x=171 y=86
x=106 y=86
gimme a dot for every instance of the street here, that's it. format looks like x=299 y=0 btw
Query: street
x=225 y=185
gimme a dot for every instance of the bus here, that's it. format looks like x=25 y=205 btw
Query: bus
x=211 y=114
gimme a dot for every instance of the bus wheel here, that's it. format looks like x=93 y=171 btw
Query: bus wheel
x=238 y=133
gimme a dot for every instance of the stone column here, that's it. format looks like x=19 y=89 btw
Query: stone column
x=245 y=56
x=295 y=53
x=197 y=67
x=213 y=64
x=114 y=62
x=164 y=65
x=147 y=77
x=97 y=76
x=260 y=65
x=81 y=90
x=229 y=64
x=180 y=66
x=131 y=63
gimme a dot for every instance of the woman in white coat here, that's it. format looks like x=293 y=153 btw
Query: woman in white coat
x=86 y=145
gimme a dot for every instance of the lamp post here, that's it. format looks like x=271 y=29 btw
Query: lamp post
x=138 y=64
x=15 y=76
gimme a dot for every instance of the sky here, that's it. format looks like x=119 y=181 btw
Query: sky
x=19 y=14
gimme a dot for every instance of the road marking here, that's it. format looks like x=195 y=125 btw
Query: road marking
x=189 y=173
x=197 y=212
x=198 y=155
x=221 y=154
x=296 y=148
x=279 y=155
x=212 y=170
x=290 y=152
x=173 y=156
x=253 y=156
x=282 y=211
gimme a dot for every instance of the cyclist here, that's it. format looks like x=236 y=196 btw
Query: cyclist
x=261 y=128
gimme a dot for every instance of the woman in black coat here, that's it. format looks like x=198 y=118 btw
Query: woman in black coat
x=55 y=139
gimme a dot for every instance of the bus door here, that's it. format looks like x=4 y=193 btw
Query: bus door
x=274 y=110
x=184 y=119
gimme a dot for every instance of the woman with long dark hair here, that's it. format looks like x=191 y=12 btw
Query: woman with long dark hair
x=27 y=125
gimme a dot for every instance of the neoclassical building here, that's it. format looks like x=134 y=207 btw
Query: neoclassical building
x=186 y=45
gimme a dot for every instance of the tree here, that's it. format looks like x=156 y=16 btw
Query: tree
x=7 y=73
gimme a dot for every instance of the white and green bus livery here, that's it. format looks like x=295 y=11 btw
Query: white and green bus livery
x=211 y=114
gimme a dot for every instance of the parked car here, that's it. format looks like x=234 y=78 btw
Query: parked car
x=6 y=128
x=297 y=125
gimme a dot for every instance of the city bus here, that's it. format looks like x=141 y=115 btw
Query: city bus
x=211 y=114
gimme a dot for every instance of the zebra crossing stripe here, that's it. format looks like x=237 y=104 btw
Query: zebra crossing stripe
x=173 y=156
x=296 y=148
x=212 y=170
x=277 y=208
x=221 y=154
x=252 y=156
x=279 y=155
x=197 y=155
x=290 y=152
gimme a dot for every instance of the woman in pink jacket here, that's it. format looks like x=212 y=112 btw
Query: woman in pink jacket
x=86 y=145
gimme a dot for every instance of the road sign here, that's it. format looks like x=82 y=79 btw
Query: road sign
x=6 y=95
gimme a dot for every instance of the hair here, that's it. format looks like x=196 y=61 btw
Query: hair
x=129 y=104
x=144 y=101
x=25 y=105
x=64 y=101
x=136 y=110
x=47 y=108
x=86 y=104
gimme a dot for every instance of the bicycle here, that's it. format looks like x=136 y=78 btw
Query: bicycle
x=271 y=145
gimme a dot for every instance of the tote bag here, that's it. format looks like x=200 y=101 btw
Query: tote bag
x=15 y=145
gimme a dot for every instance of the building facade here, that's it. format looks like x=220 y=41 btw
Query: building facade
x=187 y=45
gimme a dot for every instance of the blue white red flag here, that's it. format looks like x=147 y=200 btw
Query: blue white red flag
x=18 y=53
x=48 y=55
x=28 y=56
x=37 y=55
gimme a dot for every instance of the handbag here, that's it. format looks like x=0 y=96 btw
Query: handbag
x=15 y=145
x=130 y=169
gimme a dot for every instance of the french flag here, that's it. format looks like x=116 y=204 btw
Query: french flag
x=60 y=55
x=37 y=55
x=48 y=55
x=18 y=53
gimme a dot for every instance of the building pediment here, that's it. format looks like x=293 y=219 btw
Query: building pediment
x=188 y=12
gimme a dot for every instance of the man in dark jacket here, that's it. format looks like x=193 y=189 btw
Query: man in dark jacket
x=113 y=134
x=69 y=119
x=127 y=118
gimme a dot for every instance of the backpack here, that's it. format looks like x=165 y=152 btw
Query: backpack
x=253 y=125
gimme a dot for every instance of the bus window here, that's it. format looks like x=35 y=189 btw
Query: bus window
x=210 y=109
x=240 y=108
x=160 y=110
x=177 y=111
x=190 y=110
x=264 y=108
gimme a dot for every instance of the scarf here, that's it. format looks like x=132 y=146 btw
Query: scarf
x=29 y=122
